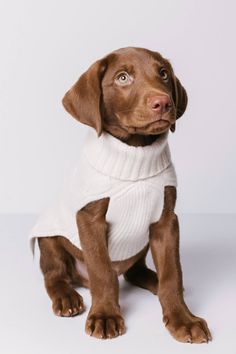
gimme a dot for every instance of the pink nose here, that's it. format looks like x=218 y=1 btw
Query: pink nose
x=159 y=104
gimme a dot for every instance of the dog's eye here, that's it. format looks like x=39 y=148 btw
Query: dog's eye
x=164 y=74
x=123 y=79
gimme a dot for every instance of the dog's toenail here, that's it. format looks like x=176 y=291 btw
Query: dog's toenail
x=165 y=320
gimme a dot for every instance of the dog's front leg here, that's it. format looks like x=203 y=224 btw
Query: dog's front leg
x=104 y=319
x=164 y=243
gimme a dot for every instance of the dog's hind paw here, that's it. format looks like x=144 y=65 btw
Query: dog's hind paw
x=67 y=303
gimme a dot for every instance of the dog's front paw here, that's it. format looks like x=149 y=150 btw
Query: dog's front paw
x=187 y=328
x=104 y=325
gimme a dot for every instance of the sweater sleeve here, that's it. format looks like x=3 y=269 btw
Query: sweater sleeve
x=169 y=176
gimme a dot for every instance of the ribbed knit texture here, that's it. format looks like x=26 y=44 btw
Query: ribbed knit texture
x=116 y=159
x=132 y=177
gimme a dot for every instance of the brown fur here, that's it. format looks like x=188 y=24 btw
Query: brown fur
x=128 y=113
x=164 y=245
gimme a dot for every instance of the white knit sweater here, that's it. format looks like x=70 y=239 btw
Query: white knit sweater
x=133 y=177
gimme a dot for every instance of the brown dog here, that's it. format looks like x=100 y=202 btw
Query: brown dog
x=133 y=95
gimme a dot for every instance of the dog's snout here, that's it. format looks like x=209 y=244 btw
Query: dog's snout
x=160 y=104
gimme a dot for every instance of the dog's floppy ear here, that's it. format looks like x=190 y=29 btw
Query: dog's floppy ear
x=180 y=99
x=83 y=100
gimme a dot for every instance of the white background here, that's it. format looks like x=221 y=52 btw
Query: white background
x=46 y=45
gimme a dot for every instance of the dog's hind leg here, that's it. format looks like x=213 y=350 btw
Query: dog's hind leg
x=140 y=275
x=58 y=267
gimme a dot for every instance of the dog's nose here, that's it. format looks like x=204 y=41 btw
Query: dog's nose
x=160 y=104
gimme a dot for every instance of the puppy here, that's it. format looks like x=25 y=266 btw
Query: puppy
x=121 y=198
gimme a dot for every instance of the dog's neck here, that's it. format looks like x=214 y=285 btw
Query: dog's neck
x=114 y=158
x=131 y=139
x=140 y=140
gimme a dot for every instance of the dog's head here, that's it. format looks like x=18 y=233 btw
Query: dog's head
x=130 y=91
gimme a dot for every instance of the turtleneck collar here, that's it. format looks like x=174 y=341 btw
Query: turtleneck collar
x=115 y=158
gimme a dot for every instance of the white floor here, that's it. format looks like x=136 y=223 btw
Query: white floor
x=28 y=326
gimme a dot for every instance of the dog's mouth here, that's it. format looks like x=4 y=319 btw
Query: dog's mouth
x=155 y=127
x=161 y=123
